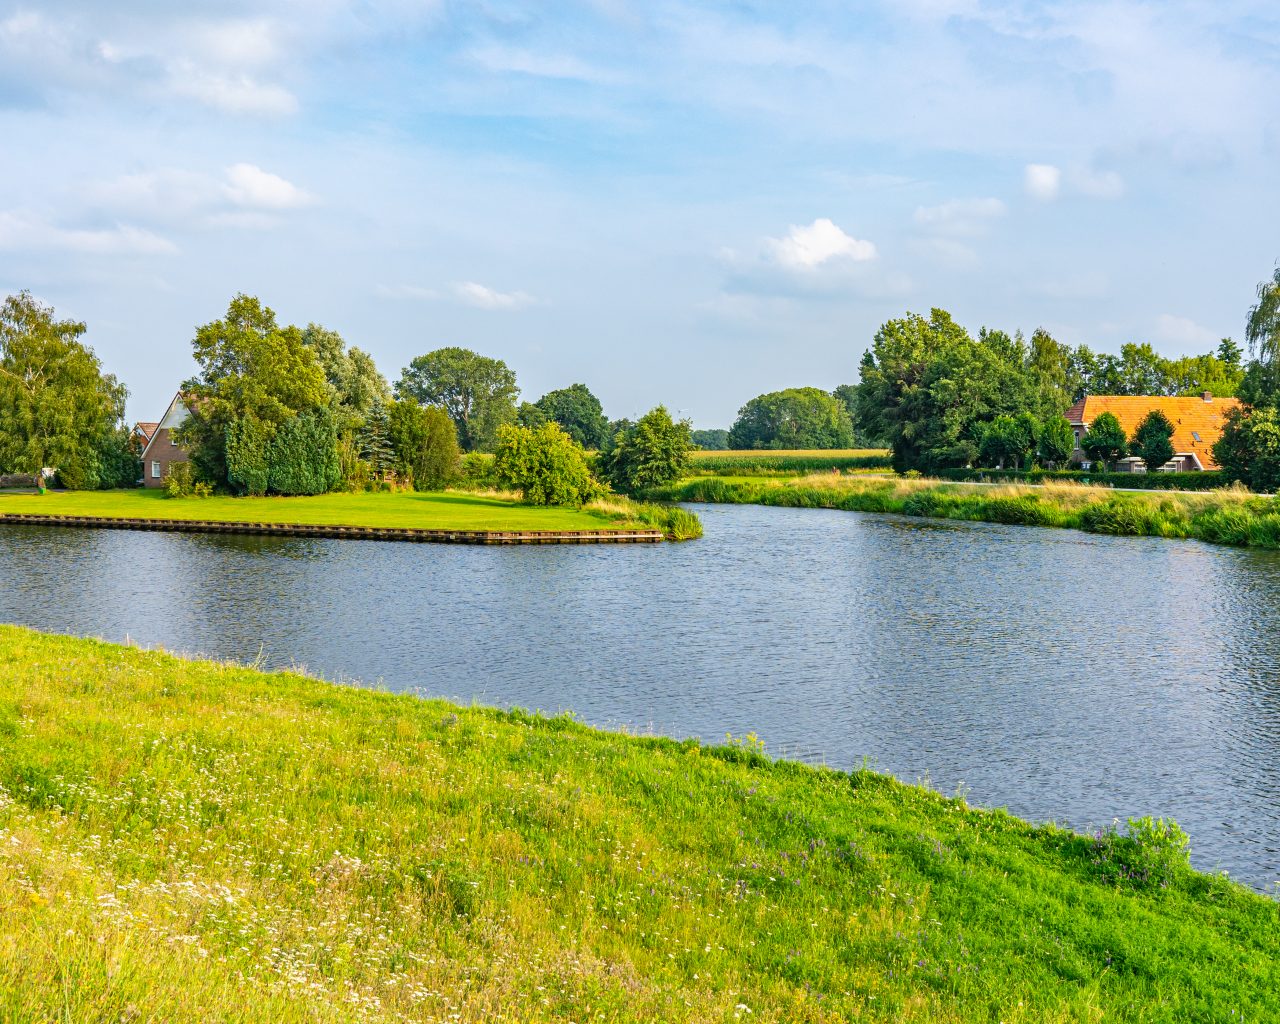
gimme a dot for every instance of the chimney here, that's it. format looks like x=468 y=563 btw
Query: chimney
x=1207 y=395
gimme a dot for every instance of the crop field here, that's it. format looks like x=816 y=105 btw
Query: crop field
x=786 y=463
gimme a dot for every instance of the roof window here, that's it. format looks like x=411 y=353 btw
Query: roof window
x=1196 y=435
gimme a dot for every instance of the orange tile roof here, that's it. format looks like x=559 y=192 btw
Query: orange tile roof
x=1189 y=416
x=147 y=429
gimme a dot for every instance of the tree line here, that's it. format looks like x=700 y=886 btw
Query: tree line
x=281 y=409
x=288 y=410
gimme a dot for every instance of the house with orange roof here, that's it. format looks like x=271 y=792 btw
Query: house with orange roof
x=1197 y=425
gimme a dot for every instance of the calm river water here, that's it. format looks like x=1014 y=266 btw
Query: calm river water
x=1064 y=676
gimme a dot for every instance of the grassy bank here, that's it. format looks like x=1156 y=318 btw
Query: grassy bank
x=1227 y=516
x=786 y=463
x=448 y=510
x=192 y=841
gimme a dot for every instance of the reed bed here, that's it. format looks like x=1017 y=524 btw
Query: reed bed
x=1228 y=515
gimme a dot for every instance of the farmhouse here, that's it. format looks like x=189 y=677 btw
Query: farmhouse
x=1197 y=424
x=160 y=450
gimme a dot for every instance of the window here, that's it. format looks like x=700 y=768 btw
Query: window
x=155 y=471
x=1196 y=436
x=1077 y=433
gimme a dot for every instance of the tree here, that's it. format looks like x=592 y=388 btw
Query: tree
x=650 y=453
x=1057 y=441
x=529 y=415
x=250 y=368
x=1262 y=330
x=793 y=418
x=477 y=392
x=545 y=465
x=714 y=440
x=373 y=440
x=929 y=389
x=303 y=456
x=1152 y=440
x=57 y=408
x=1230 y=354
x=1010 y=438
x=1105 y=440
x=579 y=412
x=355 y=383
x=1049 y=366
x=120 y=458
x=1249 y=448
x=425 y=442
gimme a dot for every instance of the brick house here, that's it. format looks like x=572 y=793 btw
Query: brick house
x=1197 y=424
x=161 y=451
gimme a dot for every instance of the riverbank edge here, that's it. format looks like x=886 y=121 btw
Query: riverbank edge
x=48 y=691
x=602 y=536
x=1227 y=517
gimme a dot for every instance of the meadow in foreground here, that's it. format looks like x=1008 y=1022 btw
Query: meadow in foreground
x=194 y=841
x=1227 y=516
x=443 y=510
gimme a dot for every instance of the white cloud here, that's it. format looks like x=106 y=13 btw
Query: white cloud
x=1181 y=330
x=483 y=297
x=506 y=60
x=960 y=216
x=247 y=41
x=1042 y=181
x=21 y=231
x=407 y=291
x=250 y=185
x=809 y=247
x=233 y=93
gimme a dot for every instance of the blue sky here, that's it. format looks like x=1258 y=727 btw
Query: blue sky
x=688 y=203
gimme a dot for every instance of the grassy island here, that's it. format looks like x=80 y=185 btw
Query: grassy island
x=446 y=510
x=196 y=841
x=1226 y=516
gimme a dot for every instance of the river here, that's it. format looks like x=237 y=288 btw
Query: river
x=1065 y=676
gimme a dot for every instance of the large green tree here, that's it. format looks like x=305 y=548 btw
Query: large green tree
x=792 y=418
x=57 y=408
x=354 y=381
x=477 y=392
x=251 y=369
x=1249 y=448
x=1105 y=440
x=425 y=443
x=578 y=412
x=1153 y=440
x=929 y=389
x=1057 y=441
x=1049 y=366
x=649 y=453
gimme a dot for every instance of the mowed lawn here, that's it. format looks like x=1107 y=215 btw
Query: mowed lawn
x=449 y=510
x=189 y=841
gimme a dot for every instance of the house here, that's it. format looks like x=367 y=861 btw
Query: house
x=1197 y=424
x=161 y=451
x=143 y=430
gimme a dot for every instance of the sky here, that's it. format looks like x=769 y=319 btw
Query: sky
x=687 y=203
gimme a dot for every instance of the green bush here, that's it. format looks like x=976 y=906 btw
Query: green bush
x=248 y=452
x=478 y=471
x=303 y=455
x=545 y=465
x=1149 y=855
x=1202 y=480
x=424 y=440
x=651 y=453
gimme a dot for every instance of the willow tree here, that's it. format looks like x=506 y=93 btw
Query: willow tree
x=57 y=408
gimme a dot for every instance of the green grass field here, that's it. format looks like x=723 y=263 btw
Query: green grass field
x=187 y=841
x=449 y=510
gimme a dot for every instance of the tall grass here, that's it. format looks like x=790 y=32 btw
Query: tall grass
x=191 y=841
x=1226 y=516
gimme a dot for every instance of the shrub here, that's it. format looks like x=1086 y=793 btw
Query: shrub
x=1149 y=855
x=303 y=455
x=650 y=453
x=545 y=465
x=248 y=445
x=478 y=470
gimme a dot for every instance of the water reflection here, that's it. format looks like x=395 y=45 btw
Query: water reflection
x=1065 y=676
